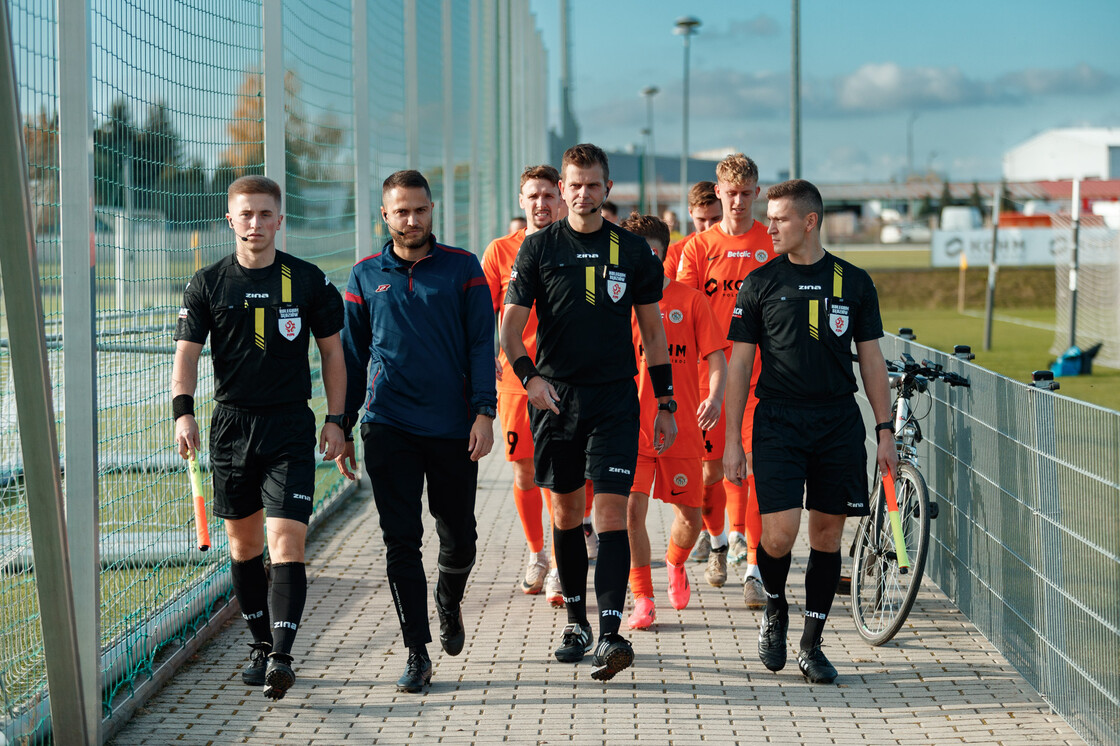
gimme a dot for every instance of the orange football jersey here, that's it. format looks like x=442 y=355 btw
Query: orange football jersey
x=497 y=261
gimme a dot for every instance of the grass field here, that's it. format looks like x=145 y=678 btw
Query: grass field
x=1021 y=342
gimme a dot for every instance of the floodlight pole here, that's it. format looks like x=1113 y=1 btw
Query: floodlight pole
x=990 y=298
x=651 y=157
x=685 y=27
x=795 y=91
x=1075 y=261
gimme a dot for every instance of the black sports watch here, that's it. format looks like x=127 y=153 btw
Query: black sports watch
x=335 y=419
x=888 y=426
x=486 y=411
x=669 y=406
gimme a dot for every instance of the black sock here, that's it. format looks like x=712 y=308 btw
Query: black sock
x=289 y=591
x=571 y=564
x=821 y=576
x=612 y=573
x=250 y=586
x=774 y=571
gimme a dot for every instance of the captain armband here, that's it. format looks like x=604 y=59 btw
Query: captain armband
x=525 y=370
x=661 y=376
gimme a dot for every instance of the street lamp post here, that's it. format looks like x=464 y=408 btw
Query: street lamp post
x=686 y=27
x=910 y=145
x=651 y=158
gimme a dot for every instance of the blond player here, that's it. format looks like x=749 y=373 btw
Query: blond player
x=715 y=263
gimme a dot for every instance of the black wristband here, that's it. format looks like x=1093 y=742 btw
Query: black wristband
x=888 y=426
x=661 y=376
x=181 y=405
x=524 y=369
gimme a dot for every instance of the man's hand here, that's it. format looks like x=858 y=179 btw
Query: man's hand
x=186 y=435
x=482 y=437
x=331 y=441
x=887 y=455
x=347 y=454
x=734 y=462
x=497 y=369
x=664 y=431
x=707 y=414
x=542 y=395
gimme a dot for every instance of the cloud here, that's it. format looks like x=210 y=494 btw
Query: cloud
x=1081 y=79
x=886 y=86
x=760 y=26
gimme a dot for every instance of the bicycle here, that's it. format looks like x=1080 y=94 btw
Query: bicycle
x=889 y=551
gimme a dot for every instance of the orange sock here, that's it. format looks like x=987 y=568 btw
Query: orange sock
x=529 y=509
x=589 y=490
x=754 y=523
x=715 y=501
x=677 y=555
x=736 y=505
x=641 y=582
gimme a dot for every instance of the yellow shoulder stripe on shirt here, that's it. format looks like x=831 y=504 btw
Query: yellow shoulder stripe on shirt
x=285 y=284
x=837 y=280
x=614 y=248
x=258 y=326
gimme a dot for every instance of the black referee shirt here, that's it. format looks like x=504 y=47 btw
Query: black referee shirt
x=804 y=320
x=584 y=286
x=260 y=322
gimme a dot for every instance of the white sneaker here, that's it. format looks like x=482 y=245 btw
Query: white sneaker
x=754 y=595
x=702 y=548
x=552 y=590
x=535 y=572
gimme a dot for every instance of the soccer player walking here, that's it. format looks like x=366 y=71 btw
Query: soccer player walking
x=584 y=276
x=673 y=476
x=804 y=311
x=259 y=307
x=419 y=345
x=715 y=263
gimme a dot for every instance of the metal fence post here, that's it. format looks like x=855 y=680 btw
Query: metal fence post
x=448 y=71
x=411 y=88
x=476 y=129
x=79 y=363
x=363 y=208
x=31 y=376
x=275 y=157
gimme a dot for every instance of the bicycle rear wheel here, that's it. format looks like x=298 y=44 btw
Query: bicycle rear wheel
x=882 y=595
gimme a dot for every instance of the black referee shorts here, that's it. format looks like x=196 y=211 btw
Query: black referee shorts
x=594 y=437
x=810 y=448
x=263 y=460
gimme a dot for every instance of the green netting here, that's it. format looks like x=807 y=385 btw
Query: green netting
x=177 y=114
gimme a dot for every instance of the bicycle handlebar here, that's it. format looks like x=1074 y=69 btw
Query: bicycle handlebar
x=907 y=367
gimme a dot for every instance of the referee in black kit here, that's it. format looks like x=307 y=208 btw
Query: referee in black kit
x=803 y=311
x=584 y=276
x=260 y=308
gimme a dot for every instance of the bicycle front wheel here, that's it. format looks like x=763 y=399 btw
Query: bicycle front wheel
x=882 y=595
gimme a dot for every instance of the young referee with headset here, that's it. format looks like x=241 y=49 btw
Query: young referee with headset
x=803 y=311
x=260 y=307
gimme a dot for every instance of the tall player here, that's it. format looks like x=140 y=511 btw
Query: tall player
x=705 y=210
x=540 y=199
x=715 y=262
x=674 y=476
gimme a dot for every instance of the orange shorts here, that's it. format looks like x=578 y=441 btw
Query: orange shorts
x=677 y=481
x=716 y=439
x=513 y=412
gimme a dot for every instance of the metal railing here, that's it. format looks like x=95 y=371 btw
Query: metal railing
x=1027 y=543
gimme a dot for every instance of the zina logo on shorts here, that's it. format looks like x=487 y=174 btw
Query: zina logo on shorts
x=298 y=496
x=618 y=470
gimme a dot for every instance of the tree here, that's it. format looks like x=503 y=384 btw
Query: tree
x=946 y=195
x=40 y=136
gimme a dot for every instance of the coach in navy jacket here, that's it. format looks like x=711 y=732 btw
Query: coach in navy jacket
x=420 y=330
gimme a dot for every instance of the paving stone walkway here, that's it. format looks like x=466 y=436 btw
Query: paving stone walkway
x=696 y=678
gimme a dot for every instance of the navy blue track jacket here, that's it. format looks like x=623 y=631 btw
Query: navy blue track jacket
x=422 y=337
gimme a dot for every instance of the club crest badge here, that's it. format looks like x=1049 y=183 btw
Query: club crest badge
x=838 y=320
x=289 y=323
x=761 y=256
x=680 y=480
x=676 y=316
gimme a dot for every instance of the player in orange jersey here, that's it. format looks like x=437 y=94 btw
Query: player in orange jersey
x=540 y=199
x=705 y=210
x=676 y=475
x=715 y=262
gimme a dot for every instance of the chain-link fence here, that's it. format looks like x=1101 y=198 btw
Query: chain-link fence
x=1027 y=542
x=184 y=98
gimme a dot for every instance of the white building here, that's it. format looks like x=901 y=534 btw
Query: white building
x=1069 y=153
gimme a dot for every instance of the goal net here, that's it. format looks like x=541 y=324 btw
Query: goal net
x=1098 y=290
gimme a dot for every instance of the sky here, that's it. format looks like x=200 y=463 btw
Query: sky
x=972 y=79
